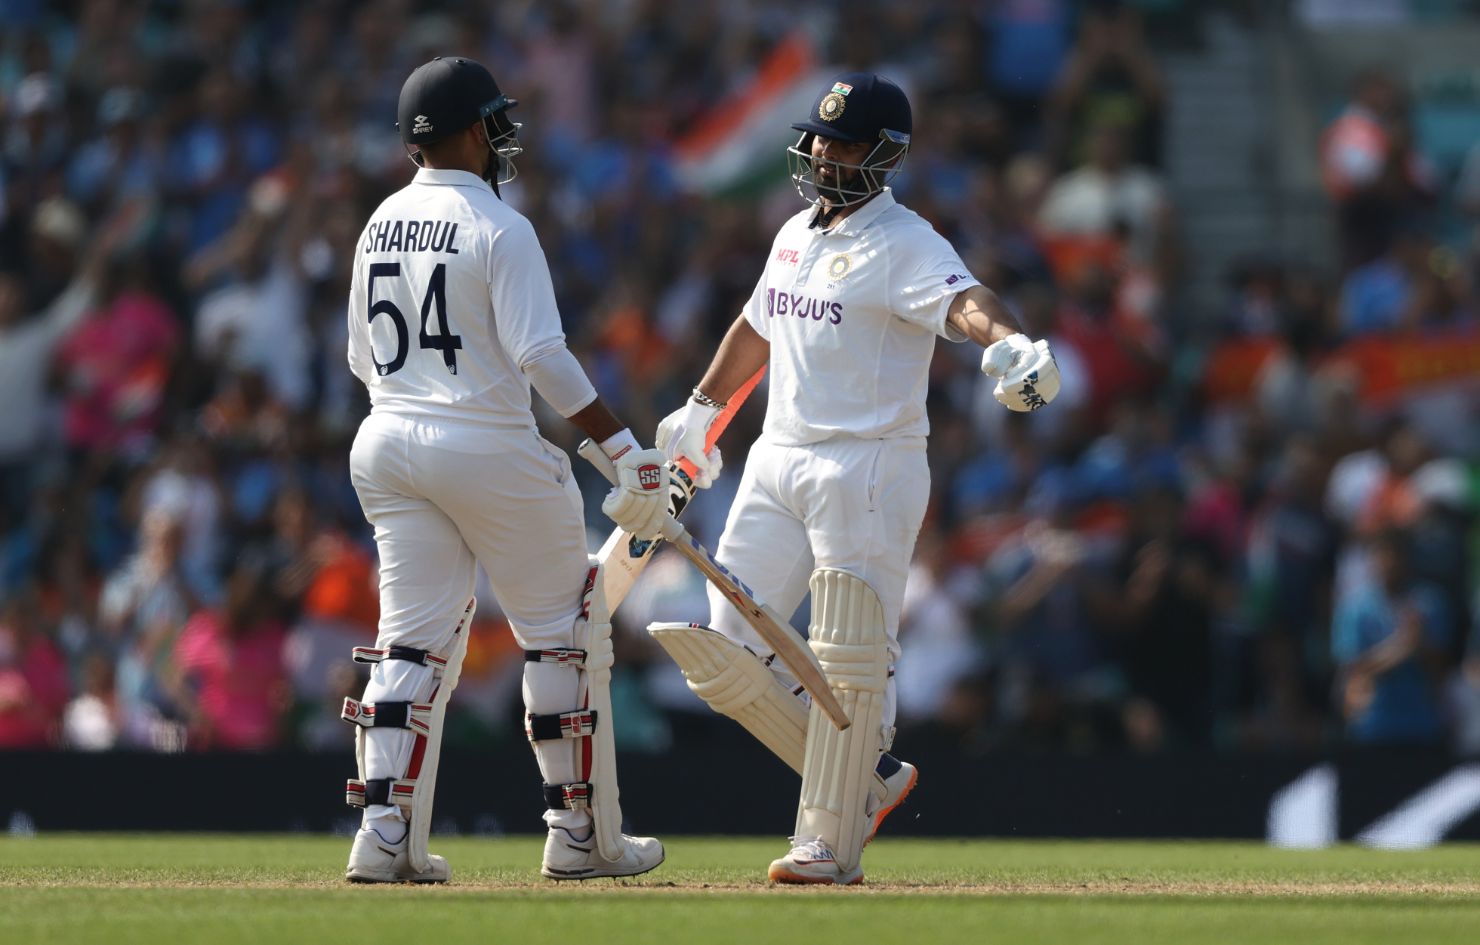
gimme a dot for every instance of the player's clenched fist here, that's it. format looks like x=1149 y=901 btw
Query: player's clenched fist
x=1027 y=375
x=638 y=503
x=681 y=435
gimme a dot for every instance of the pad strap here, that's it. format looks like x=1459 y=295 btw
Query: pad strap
x=413 y=715
x=561 y=655
x=371 y=654
x=396 y=791
x=578 y=724
x=573 y=796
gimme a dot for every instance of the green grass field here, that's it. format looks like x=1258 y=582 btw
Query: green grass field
x=163 y=889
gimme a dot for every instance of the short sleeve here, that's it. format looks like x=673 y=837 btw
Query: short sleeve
x=756 y=311
x=925 y=274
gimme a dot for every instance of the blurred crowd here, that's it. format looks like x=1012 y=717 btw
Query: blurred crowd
x=1155 y=561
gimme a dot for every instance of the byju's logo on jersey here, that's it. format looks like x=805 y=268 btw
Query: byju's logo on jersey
x=422 y=125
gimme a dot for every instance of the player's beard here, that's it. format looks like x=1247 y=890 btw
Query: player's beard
x=832 y=193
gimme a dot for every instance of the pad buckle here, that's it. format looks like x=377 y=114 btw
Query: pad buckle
x=578 y=724
x=573 y=796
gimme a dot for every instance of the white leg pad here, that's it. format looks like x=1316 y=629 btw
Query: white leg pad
x=738 y=684
x=606 y=805
x=849 y=637
x=410 y=777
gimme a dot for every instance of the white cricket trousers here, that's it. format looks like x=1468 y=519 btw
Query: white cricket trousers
x=842 y=503
x=443 y=501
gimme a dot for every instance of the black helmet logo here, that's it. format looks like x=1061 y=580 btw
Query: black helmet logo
x=421 y=126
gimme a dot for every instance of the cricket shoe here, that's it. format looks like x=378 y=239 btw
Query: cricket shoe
x=893 y=782
x=812 y=862
x=373 y=859
x=569 y=858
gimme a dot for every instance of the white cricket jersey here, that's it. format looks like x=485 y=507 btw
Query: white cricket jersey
x=450 y=296
x=852 y=313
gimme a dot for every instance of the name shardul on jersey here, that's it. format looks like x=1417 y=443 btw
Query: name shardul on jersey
x=407 y=236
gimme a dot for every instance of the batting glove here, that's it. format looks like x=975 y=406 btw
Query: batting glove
x=681 y=436
x=1027 y=375
x=638 y=503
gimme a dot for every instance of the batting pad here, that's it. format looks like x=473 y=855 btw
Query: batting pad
x=606 y=805
x=848 y=635
x=736 y=683
x=414 y=787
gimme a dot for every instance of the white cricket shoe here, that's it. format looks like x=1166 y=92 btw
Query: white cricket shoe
x=375 y=860
x=812 y=861
x=896 y=787
x=569 y=858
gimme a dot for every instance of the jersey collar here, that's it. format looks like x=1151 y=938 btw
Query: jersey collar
x=449 y=178
x=857 y=221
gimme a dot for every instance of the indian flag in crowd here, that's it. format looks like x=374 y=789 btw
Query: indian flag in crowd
x=739 y=145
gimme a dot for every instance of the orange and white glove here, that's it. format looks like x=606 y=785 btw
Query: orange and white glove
x=681 y=436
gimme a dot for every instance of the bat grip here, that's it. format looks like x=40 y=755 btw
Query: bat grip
x=596 y=456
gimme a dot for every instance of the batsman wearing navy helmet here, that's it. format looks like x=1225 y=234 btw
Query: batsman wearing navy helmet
x=452 y=320
x=855 y=291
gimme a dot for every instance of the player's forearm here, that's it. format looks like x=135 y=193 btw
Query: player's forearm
x=597 y=421
x=981 y=316
x=740 y=355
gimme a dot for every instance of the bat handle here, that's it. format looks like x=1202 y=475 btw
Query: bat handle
x=597 y=457
x=592 y=452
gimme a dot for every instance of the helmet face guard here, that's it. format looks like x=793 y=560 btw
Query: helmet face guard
x=502 y=136
x=880 y=166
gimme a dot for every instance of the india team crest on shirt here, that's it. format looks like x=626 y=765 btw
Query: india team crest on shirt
x=839 y=267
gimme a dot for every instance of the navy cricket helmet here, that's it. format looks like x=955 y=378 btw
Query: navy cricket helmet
x=854 y=107
x=446 y=96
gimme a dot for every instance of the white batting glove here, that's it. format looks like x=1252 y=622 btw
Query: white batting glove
x=1027 y=375
x=638 y=503
x=681 y=436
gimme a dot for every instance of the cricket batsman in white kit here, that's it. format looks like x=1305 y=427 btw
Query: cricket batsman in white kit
x=845 y=315
x=452 y=318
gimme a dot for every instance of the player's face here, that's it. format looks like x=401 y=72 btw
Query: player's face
x=827 y=155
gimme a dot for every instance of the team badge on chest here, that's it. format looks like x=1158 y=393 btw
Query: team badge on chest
x=841 y=264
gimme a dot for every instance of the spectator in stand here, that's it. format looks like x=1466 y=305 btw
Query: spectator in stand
x=142 y=608
x=120 y=163
x=1046 y=583
x=1110 y=200
x=1027 y=42
x=944 y=653
x=1416 y=285
x=1372 y=170
x=34 y=687
x=1163 y=608
x=114 y=364
x=92 y=720
x=1110 y=77
x=229 y=675
x=1391 y=645
x=255 y=319
x=1290 y=561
